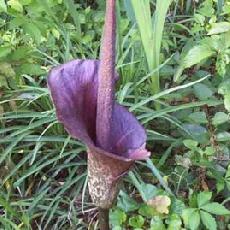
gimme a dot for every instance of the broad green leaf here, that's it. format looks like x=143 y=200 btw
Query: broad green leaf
x=199 y=18
x=136 y=221
x=220 y=185
x=196 y=55
x=71 y=7
x=220 y=118
x=7 y=75
x=226 y=8
x=3 y=7
x=218 y=28
x=223 y=136
x=117 y=228
x=25 y=2
x=15 y=5
x=224 y=87
x=207 y=8
x=126 y=203
x=3 y=84
x=149 y=191
x=4 y=51
x=221 y=64
x=191 y=144
x=209 y=151
x=227 y=178
x=203 y=198
x=157 y=224
x=208 y=220
x=31 y=69
x=34 y=32
x=227 y=102
x=117 y=217
x=191 y=218
x=7 y=70
x=228 y=172
x=21 y=53
x=147 y=211
x=215 y=208
x=198 y=132
x=55 y=33
x=194 y=220
x=202 y=91
x=198 y=117
x=174 y=222
x=186 y=214
x=177 y=206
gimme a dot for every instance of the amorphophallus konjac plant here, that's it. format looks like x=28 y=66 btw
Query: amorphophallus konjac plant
x=83 y=93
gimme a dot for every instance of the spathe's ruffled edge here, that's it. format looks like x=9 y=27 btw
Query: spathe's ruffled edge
x=119 y=157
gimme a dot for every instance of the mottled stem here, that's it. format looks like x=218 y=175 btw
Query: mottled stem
x=105 y=98
x=104 y=176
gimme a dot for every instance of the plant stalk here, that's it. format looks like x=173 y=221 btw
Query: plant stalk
x=103 y=219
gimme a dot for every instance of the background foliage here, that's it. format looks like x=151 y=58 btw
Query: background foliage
x=186 y=184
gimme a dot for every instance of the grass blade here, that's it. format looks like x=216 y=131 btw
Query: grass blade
x=151 y=34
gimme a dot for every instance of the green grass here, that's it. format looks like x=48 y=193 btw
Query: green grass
x=43 y=171
x=151 y=31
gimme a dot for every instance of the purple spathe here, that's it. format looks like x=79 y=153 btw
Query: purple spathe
x=74 y=90
x=83 y=92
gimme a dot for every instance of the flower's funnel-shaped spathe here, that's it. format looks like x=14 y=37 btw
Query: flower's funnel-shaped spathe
x=83 y=94
x=74 y=90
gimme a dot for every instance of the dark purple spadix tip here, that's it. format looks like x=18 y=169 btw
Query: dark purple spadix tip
x=105 y=99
